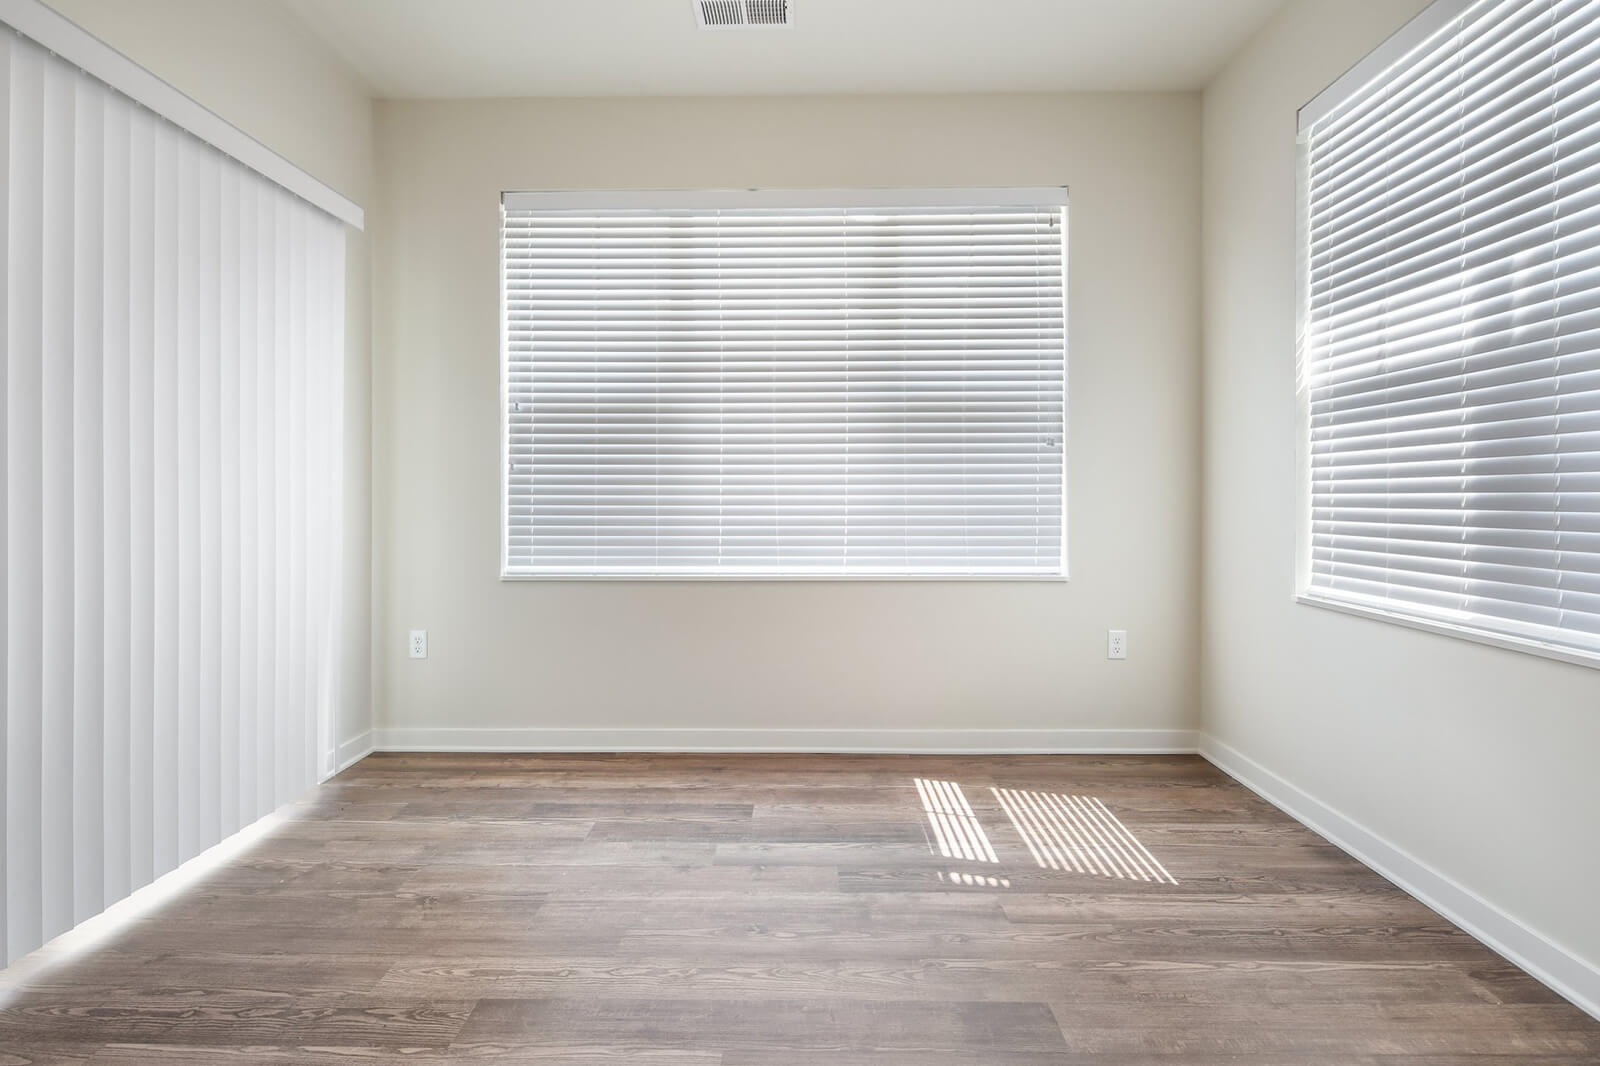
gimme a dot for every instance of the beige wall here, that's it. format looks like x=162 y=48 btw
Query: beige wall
x=825 y=655
x=253 y=63
x=1479 y=762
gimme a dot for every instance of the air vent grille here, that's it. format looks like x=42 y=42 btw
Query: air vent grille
x=722 y=14
x=767 y=12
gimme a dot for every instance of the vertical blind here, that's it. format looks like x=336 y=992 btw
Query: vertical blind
x=170 y=465
x=1452 y=335
x=778 y=388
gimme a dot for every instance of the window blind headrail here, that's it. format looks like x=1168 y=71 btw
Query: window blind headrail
x=786 y=203
x=59 y=35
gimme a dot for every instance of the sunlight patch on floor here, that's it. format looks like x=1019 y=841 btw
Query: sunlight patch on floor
x=1078 y=834
x=956 y=877
x=955 y=827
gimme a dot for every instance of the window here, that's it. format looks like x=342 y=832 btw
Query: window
x=770 y=384
x=1450 y=370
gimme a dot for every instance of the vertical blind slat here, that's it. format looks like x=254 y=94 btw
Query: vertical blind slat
x=188 y=732
x=88 y=512
x=141 y=497
x=117 y=481
x=56 y=557
x=25 y=501
x=164 y=273
x=227 y=501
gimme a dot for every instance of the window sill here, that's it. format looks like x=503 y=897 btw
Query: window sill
x=1576 y=656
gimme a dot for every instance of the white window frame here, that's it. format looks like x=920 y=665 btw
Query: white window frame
x=713 y=199
x=1374 y=66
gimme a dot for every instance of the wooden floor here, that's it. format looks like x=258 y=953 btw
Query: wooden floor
x=790 y=911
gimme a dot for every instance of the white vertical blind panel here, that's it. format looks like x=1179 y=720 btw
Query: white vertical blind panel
x=141 y=498
x=210 y=353
x=250 y=447
x=785 y=391
x=56 y=556
x=172 y=390
x=164 y=184
x=226 y=475
x=268 y=434
x=1452 y=342
x=187 y=733
x=117 y=479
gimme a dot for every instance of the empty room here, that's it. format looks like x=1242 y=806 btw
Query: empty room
x=800 y=532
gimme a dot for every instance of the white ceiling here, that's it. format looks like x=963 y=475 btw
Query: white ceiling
x=459 y=48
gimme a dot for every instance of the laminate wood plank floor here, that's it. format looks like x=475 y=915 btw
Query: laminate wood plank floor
x=764 y=910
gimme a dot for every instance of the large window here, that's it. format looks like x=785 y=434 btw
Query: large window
x=784 y=384
x=1451 y=337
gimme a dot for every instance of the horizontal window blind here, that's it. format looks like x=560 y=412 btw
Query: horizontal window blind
x=784 y=389
x=1451 y=349
x=171 y=391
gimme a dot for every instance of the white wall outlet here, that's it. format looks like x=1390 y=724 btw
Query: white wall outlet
x=1116 y=644
x=419 y=644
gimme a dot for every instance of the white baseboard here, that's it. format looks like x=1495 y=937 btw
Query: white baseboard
x=1574 y=978
x=353 y=751
x=887 y=741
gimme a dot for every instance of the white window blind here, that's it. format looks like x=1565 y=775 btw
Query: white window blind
x=171 y=389
x=1451 y=343
x=783 y=385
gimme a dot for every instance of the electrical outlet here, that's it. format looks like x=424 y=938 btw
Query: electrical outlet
x=419 y=643
x=1116 y=644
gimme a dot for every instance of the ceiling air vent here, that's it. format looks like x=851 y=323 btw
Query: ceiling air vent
x=722 y=14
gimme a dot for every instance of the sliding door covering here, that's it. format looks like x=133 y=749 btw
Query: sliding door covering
x=1452 y=332
x=769 y=384
x=173 y=379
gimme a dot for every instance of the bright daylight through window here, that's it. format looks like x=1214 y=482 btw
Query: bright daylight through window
x=769 y=384
x=1450 y=359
